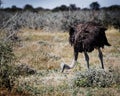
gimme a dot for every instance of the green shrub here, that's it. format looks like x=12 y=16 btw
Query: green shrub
x=7 y=59
x=94 y=78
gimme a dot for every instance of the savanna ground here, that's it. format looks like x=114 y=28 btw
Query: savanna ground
x=44 y=52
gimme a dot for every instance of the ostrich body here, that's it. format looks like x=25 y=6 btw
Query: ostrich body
x=85 y=38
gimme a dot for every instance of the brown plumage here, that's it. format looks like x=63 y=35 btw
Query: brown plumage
x=85 y=37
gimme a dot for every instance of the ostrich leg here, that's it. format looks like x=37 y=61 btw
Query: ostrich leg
x=86 y=58
x=101 y=57
x=65 y=66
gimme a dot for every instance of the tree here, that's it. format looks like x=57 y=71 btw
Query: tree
x=14 y=8
x=94 y=6
x=28 y=7
x=61 y=8
x=73 y=7
x=1 y=3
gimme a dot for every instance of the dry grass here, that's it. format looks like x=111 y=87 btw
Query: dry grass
x=45 y=51
x=41 y=48
x=113 y=53
x=6 y=92
x=50 y=49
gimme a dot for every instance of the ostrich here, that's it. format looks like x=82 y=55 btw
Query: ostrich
x=85 y=38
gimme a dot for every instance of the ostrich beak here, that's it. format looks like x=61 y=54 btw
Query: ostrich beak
x=64 y=66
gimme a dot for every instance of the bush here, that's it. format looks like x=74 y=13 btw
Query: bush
x=94 y=78
x=7 y=59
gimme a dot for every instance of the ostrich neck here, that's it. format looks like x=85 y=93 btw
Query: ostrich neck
x=72 y=64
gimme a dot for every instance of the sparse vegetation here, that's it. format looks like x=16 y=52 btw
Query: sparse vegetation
x=7 y=74
x=96 y=78
x=48 y=80
x=33 y=67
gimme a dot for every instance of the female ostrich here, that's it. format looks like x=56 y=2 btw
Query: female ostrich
x=85 y=38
